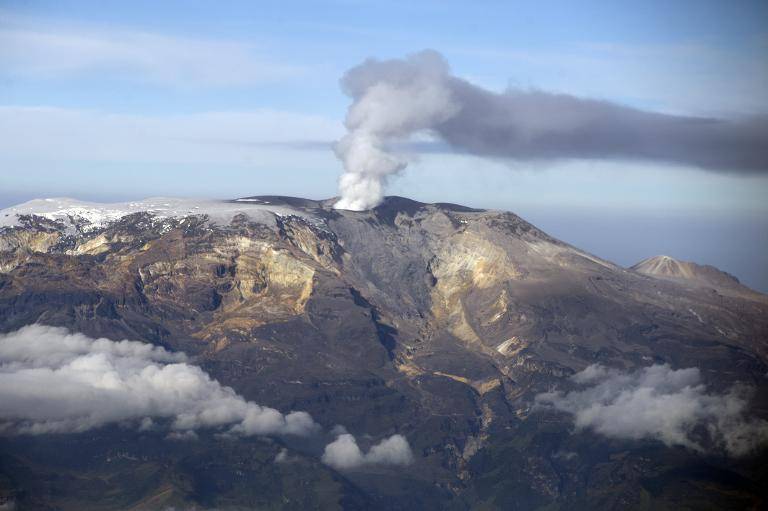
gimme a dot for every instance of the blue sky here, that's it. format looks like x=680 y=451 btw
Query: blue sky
x=109 y=100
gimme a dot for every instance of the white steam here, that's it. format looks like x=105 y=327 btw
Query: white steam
x=52 y=381
x=658 y=402
x=344 y=453
x=392 y=101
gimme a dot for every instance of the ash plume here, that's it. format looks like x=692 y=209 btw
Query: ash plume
x=393 y=100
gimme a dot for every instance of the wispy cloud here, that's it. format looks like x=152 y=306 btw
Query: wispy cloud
x=53 y=381
x=60 y=52
x=659 y=402
x=344 y=453
x=34 y=133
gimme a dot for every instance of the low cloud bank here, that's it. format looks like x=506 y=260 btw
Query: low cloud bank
x=659 y=402
x=53 y=381
x=344 y=453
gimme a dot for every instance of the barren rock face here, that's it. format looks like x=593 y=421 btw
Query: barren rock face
x=694 y=275
x=437 y=322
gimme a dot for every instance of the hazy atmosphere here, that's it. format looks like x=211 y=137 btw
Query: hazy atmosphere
x=383 y=256
x=110 y=101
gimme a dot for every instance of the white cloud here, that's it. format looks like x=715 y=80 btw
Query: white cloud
x=344 y=453
x=282 y=456
x=391 y=451
x=60 y=51
x=182 y=436
x=52 y=381
x=672 y=406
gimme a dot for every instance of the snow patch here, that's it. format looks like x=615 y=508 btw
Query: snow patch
x=696 y=314
x=89 y=216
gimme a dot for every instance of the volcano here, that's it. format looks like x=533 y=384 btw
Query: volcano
x=439 y=323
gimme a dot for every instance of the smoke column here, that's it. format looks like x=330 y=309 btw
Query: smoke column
x=392 y=100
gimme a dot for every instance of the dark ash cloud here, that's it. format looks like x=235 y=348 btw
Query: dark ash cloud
x=395 y=99
x=659 y=402
x=529 y=125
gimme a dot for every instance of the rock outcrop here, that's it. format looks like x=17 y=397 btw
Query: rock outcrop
x=435 y=321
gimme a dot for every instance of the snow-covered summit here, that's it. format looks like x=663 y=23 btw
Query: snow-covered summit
x=88 y=216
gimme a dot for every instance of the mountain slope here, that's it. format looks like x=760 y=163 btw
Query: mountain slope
x=692 y=274
x=435 y=321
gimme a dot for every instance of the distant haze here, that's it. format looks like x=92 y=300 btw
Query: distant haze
x=737 y=244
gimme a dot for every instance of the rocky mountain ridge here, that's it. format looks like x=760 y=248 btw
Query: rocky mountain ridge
x=666 y=267
x=436 y=321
